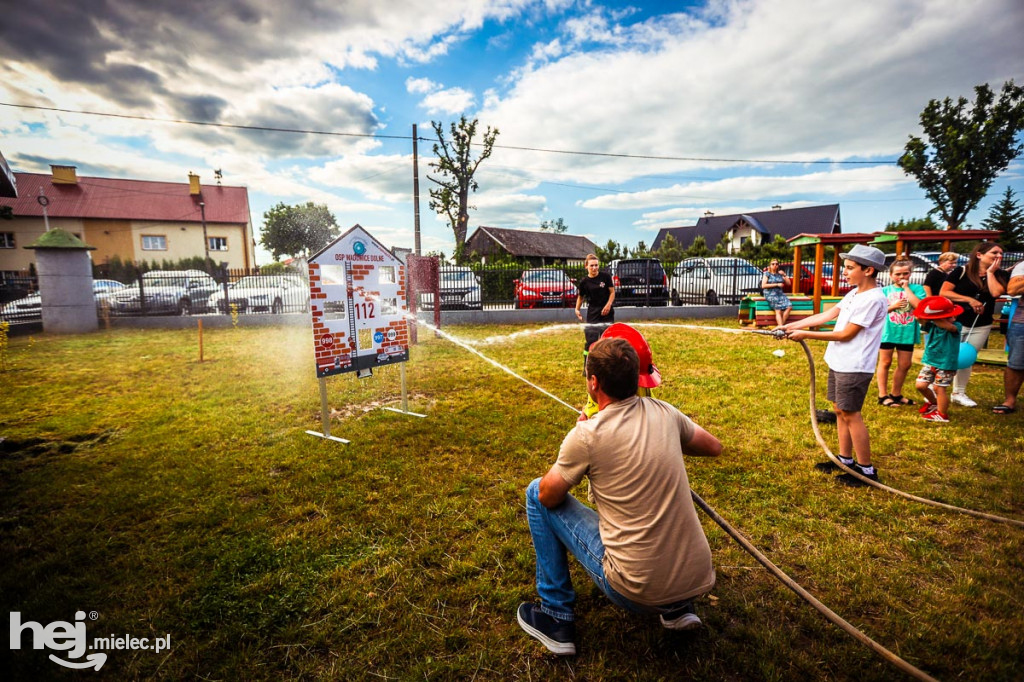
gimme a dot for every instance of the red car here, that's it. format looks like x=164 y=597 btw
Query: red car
x=536 y=288
x=807 y=279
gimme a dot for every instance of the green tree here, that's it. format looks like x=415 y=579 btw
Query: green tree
x=670 y=250
x=912 y=225
x=611 y=251
x=641 y=251
x=1008 y=217
x=722 y=247
x=297 y=230
x=557 y=226
x=698 y=248
x=966 y=148
x=456 y=168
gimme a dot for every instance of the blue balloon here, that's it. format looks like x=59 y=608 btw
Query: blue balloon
x=967 y=357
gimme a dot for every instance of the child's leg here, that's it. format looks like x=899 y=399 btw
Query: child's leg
x=925 y=391
x=899 y=375
x=882 y=373
x=857 y=432
x=843 y=431
x=942 y=399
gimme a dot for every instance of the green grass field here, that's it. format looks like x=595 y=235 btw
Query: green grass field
x=184 y=498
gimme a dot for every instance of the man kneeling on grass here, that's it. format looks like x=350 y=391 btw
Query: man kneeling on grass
x=644 y=546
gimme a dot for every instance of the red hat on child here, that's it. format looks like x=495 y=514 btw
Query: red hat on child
x=936 y=308
x=650 y=377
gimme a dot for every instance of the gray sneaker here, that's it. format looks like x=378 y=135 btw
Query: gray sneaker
x=556 y=634
x=681 y=619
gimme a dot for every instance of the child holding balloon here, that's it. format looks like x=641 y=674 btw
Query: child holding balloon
x=941 y=357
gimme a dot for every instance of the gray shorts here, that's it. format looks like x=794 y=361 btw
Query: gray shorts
x=1015 y=346
x=848 y=389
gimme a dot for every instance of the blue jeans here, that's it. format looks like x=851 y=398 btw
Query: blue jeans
x=571 y=527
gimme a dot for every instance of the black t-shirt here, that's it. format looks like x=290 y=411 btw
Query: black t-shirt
x=595 y=291
x=934 y=279
x=963 y=285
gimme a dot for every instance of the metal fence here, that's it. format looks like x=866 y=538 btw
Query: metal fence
x=169 y=292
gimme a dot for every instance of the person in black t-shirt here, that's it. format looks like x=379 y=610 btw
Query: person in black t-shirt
x=935 y=277
x=975 y=286
x=598 y=290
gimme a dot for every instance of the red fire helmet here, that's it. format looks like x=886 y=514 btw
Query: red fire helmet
x=650 y=377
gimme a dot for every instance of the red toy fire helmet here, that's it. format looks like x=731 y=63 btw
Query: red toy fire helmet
x=650 y=377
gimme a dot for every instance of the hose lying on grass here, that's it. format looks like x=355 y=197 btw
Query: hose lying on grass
x=830 y=615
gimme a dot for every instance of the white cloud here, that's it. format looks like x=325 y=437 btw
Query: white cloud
x=449 y=101
x=760 y=187
x=420 y=86
x=777 y=79
x=684 y=216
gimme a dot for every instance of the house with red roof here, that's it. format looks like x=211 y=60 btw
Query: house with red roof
x=135 y=220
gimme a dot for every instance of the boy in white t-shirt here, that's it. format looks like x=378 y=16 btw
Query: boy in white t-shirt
x=850 y=356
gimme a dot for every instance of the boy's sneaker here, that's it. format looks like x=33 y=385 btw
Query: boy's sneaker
x=854 y=482
x=927 y=407
x=962 y=399
x=556 y=634
x=936 y=416
x=682 y=618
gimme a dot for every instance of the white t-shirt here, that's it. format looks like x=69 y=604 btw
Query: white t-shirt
x=1018 y=271
x=860 y=354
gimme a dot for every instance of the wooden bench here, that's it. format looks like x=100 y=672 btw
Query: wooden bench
x=754 y=310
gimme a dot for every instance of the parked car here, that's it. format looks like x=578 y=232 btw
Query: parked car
x=460 y=289
x=714 y=281
x=267 y=293
x=807 y=278
x=31 y=307
x=639 y=281
x=544 y=288
x=174 y=292
x=918 y=271
x=933 y=257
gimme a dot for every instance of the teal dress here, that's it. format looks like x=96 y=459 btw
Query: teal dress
x=775 y=297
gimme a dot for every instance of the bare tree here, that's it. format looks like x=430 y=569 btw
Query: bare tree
x=456 y=168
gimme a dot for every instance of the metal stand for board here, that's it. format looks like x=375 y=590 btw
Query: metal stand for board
x=405 y=399
x=325 y=416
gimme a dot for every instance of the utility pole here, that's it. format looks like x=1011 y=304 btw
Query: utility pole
x=416 y=190
x=206 y=240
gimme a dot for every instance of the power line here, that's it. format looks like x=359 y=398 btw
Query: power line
x=206 y=123
x=569 y=152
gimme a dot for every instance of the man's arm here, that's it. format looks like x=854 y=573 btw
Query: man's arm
x=1015 y=287
x=553 y=489
x=702 y=444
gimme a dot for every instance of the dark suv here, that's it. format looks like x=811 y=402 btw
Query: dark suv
x=639 y=281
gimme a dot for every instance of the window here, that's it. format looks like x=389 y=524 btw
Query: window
x=154 y=242
x=6 y=240
x=218 y=243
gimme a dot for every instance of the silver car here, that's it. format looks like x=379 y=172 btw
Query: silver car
x=268 y=293
x=460 y=288
x=31 y=307
x=714 y=281
x=166 y=292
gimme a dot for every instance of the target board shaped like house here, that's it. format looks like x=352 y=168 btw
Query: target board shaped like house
x=359 y=303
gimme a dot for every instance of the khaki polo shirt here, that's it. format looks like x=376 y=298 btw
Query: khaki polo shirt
x=655 y=549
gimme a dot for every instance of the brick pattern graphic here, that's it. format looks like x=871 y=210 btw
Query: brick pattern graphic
x=333 y=346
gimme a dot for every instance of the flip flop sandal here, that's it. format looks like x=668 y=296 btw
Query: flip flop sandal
x=888 y=401
x=1003 y=409
x=901 y=401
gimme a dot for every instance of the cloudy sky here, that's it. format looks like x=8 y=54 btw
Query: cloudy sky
x=727 y=94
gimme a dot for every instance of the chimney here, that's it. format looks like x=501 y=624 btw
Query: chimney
x=193 y=184
x=64 y=175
